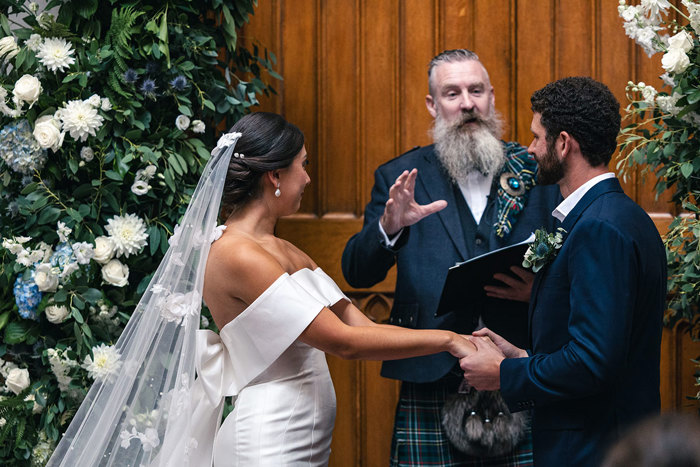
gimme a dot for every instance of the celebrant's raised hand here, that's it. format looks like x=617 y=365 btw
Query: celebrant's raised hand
x=401 y=209
x=515 y=288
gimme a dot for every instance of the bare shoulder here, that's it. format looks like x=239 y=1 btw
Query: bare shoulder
x=301 y=259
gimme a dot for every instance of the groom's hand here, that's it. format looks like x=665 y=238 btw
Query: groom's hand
x=483 y=368
x=401 y=209
x=508 y=349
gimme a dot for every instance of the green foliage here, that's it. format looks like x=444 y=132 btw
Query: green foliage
x=136 y=67
x=662 y=137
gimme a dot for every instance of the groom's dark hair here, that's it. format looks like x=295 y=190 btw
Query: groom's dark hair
x=584 y=108
x=267 y=142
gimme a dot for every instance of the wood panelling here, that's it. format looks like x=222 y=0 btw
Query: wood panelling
x=355 y=80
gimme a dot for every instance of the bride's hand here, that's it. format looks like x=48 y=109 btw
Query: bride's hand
x=462 y=346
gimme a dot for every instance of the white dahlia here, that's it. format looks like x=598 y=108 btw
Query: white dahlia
x=80 y=119
x=104 y=364
x=55 y=54
x=128 y=234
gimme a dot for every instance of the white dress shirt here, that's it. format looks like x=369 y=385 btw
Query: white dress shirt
x=565 y=207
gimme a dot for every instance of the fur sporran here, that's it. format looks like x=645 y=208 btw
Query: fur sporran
x=479 y=423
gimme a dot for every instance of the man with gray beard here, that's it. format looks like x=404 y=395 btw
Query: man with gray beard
x=483 y=194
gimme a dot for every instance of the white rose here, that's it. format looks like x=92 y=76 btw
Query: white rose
x=8 y=47
x=48 y=133
x=94 y=100
x=182 y=122
x=682 y=40
x=675 y=61
x=105 y=104
x=17 y=380
x=198 y=126
x=87 y=154
x=115 y=273
x=46 y=278
x=27 y=89
x=104 y=250
x=56 y=314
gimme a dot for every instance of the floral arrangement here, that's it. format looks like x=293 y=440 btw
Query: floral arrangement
x=662 y=137
x=108 y=112
x=543 y=249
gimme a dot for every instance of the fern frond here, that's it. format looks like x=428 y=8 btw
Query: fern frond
x=123 y=21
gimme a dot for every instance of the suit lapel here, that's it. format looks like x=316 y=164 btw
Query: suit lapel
x=438 y=187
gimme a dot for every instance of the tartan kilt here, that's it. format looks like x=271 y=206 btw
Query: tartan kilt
x=419 y=438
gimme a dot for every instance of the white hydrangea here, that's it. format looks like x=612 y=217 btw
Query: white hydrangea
x=63 y=231
x=83 y=252
x=667 y=104
x=104 y=363
x=61 y=366
x=80 y=119
x=128 y=234
x=55 y=54
x=42 y=450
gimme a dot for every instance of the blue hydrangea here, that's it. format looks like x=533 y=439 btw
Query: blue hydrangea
x=27 y=297
x=62 y=256
x=19 y=150
x=179 y=83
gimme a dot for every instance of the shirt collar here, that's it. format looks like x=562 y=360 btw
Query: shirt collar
x=565 y=207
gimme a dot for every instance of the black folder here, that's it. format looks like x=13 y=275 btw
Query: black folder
x=465 y=281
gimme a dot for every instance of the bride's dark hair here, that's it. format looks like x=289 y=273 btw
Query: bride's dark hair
x=267 y=142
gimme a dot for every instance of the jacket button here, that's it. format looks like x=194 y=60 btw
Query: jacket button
x=478 y=241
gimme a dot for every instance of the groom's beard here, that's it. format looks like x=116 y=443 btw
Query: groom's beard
x=549 y=168
x=463 y=148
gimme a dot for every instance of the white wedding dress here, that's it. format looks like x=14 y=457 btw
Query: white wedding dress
x=284 y=411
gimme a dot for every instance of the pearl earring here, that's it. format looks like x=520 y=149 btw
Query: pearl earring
x=278 y=193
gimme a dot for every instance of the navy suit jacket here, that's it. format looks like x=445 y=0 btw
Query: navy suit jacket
x=595 y=329
x=426 y=250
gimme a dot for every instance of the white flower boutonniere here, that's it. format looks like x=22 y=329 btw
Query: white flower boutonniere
x=544 y=249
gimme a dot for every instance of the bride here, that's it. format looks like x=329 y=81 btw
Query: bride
x=277 y=312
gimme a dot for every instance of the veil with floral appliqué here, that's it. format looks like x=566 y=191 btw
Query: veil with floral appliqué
x=133 y=417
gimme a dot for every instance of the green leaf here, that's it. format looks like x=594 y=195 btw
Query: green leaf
x=154 y=239
x=111 y=174
x=4 y=318
x=77 y=315
x=17 y=331
x=687 y=169
x=184 y=110
x=209 y=104
x=92 y=295
x=49 y=215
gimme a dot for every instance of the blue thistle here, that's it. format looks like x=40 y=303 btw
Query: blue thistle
x=179 y=83
x=542 y=249
x=130 y=76
x=148 y=88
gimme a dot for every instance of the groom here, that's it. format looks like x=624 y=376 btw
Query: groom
x=596 y=308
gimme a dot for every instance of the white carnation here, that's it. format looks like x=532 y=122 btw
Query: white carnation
x=47 y=132
x=198 y=126
x=105 y=104
x=27 y=89
x=80 y=119
x=94 y=100
x=104 y=249
x=182 y=122
x=104 y=364
x=83 y=252
x=46 y=277
x=55 y=54
x=115 y=273
x=128 y=234
x=56 y=314
x=675 y=61
x=34 y=42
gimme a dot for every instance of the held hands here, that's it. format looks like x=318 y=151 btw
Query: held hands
x=401 y=209
x=482 y=369
x=517 y=289
x=462 y=346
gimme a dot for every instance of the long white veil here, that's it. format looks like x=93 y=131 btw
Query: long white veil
x=126 y=420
